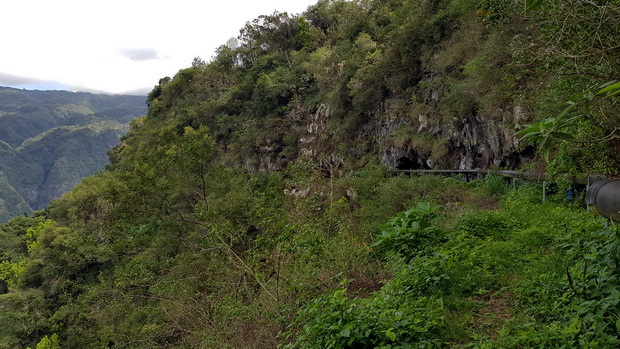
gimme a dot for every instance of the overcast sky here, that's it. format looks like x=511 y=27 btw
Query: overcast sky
x=117 y=46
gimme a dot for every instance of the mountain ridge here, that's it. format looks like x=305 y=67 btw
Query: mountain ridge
x=49 y=140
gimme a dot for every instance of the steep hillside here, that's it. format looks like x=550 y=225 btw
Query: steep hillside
x=12 y=166
x=11 y=203
x=65 y=155
x=50 y=140
x=252 y=207
x=431 y=84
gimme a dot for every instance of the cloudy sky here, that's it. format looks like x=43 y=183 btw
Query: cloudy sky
x=117 y=46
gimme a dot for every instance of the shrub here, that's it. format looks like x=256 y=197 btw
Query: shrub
x=412 y=231
x=387 y=320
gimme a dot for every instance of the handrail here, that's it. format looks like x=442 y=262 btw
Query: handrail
x=582 y=180
x=602 y=193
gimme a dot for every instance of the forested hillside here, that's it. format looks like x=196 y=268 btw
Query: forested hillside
x=50 y=140
x=252 y=207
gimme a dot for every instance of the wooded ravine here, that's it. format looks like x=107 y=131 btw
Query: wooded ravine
x=50 y=140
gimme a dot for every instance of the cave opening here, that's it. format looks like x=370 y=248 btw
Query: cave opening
x=405 y=163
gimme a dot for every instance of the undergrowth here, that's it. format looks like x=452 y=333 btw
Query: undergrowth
x=524 y=275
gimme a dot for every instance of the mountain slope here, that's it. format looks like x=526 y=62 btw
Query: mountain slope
x=66 y=154
x=11 y=202
x=25 y=114
x=248 y=208
x=50 y=140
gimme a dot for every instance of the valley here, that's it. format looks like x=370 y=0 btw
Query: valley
x=50 y=140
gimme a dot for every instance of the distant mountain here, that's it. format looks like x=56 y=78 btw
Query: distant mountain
x=50 y=140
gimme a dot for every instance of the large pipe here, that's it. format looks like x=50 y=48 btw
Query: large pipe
x=602 y=194
x=603 y=198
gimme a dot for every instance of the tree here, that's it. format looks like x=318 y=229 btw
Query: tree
x=549 y=131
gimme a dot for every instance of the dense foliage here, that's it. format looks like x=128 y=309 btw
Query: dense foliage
x=252 y=207
x=528 y=275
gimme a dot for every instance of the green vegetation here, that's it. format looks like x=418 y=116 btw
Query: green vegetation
x=309 y=272
x=548 y=130
x=252 y=207
x=50 y=140
x=525 y=275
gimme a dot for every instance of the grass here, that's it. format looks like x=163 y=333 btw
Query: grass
x=499 y=278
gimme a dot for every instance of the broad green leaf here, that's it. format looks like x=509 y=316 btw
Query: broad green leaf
x=530 y=128
x=545 y=148
x=612 y=87
x=390 y=334
x=571 y=106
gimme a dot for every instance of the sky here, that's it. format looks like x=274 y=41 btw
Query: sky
x=117 y=46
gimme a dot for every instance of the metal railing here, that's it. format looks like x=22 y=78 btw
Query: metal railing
x=602 y=193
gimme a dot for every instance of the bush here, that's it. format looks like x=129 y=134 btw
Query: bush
x=387 y=320
x=412 y=231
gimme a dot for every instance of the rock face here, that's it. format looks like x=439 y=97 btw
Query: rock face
x=422 y=142
x=313 y=135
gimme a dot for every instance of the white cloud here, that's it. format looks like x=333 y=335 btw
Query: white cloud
x=120 y=45
x=139 y=54
x=15 y=80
